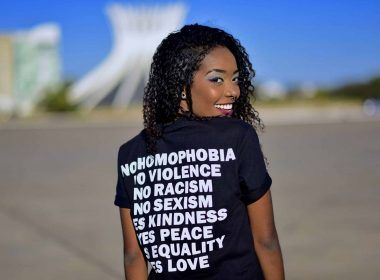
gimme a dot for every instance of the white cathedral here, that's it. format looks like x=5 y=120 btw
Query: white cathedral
x=121 y=77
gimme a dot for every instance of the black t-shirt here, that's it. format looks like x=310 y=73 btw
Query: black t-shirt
x=188 y=201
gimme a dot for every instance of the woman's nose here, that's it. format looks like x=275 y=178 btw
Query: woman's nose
x=232 y=92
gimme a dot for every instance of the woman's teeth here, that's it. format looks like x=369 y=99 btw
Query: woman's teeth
x=224 y=106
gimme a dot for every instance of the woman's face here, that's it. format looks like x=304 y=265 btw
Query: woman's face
x=215 y=84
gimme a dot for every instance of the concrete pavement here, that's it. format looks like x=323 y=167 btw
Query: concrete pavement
x=57 y=182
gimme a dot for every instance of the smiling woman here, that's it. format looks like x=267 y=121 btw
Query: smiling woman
x=197 y=109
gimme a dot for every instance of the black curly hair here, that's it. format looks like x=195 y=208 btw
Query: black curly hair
x=174 y=63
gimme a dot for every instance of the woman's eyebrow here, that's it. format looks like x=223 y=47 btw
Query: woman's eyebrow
x=221 y=71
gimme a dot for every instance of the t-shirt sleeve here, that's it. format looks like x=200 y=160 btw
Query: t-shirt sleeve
x=253 y=176
x=121 y=197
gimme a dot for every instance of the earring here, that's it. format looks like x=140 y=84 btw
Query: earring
x=183 y=95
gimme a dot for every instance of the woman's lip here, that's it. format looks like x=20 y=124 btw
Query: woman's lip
x=225 y=111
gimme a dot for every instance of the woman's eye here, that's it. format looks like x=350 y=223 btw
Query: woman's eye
x=216 y=80
x=219 y=80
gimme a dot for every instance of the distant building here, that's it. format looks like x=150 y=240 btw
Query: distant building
x=120 y=78
x=271 y=90
x=29 y=64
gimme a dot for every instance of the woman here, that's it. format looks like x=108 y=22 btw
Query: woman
x=193 y=188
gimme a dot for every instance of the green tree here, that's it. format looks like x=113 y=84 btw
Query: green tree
x=56 y=100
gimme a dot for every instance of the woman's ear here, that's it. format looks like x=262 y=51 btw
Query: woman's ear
x=183 y=93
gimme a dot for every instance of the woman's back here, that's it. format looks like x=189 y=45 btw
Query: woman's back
x=188 y=201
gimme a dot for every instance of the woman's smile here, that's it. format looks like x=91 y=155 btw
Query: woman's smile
x=225 y=109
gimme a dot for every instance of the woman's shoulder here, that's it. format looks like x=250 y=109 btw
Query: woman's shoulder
x=240 y=130
x=133 y=142
x=234 y=125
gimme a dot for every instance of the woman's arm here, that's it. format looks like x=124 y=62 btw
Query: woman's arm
x=266 y=241
x=135 y=267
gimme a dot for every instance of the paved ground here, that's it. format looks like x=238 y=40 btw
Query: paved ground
x=58 y=220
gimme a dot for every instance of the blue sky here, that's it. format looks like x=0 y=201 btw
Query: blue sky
x=326 y=42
